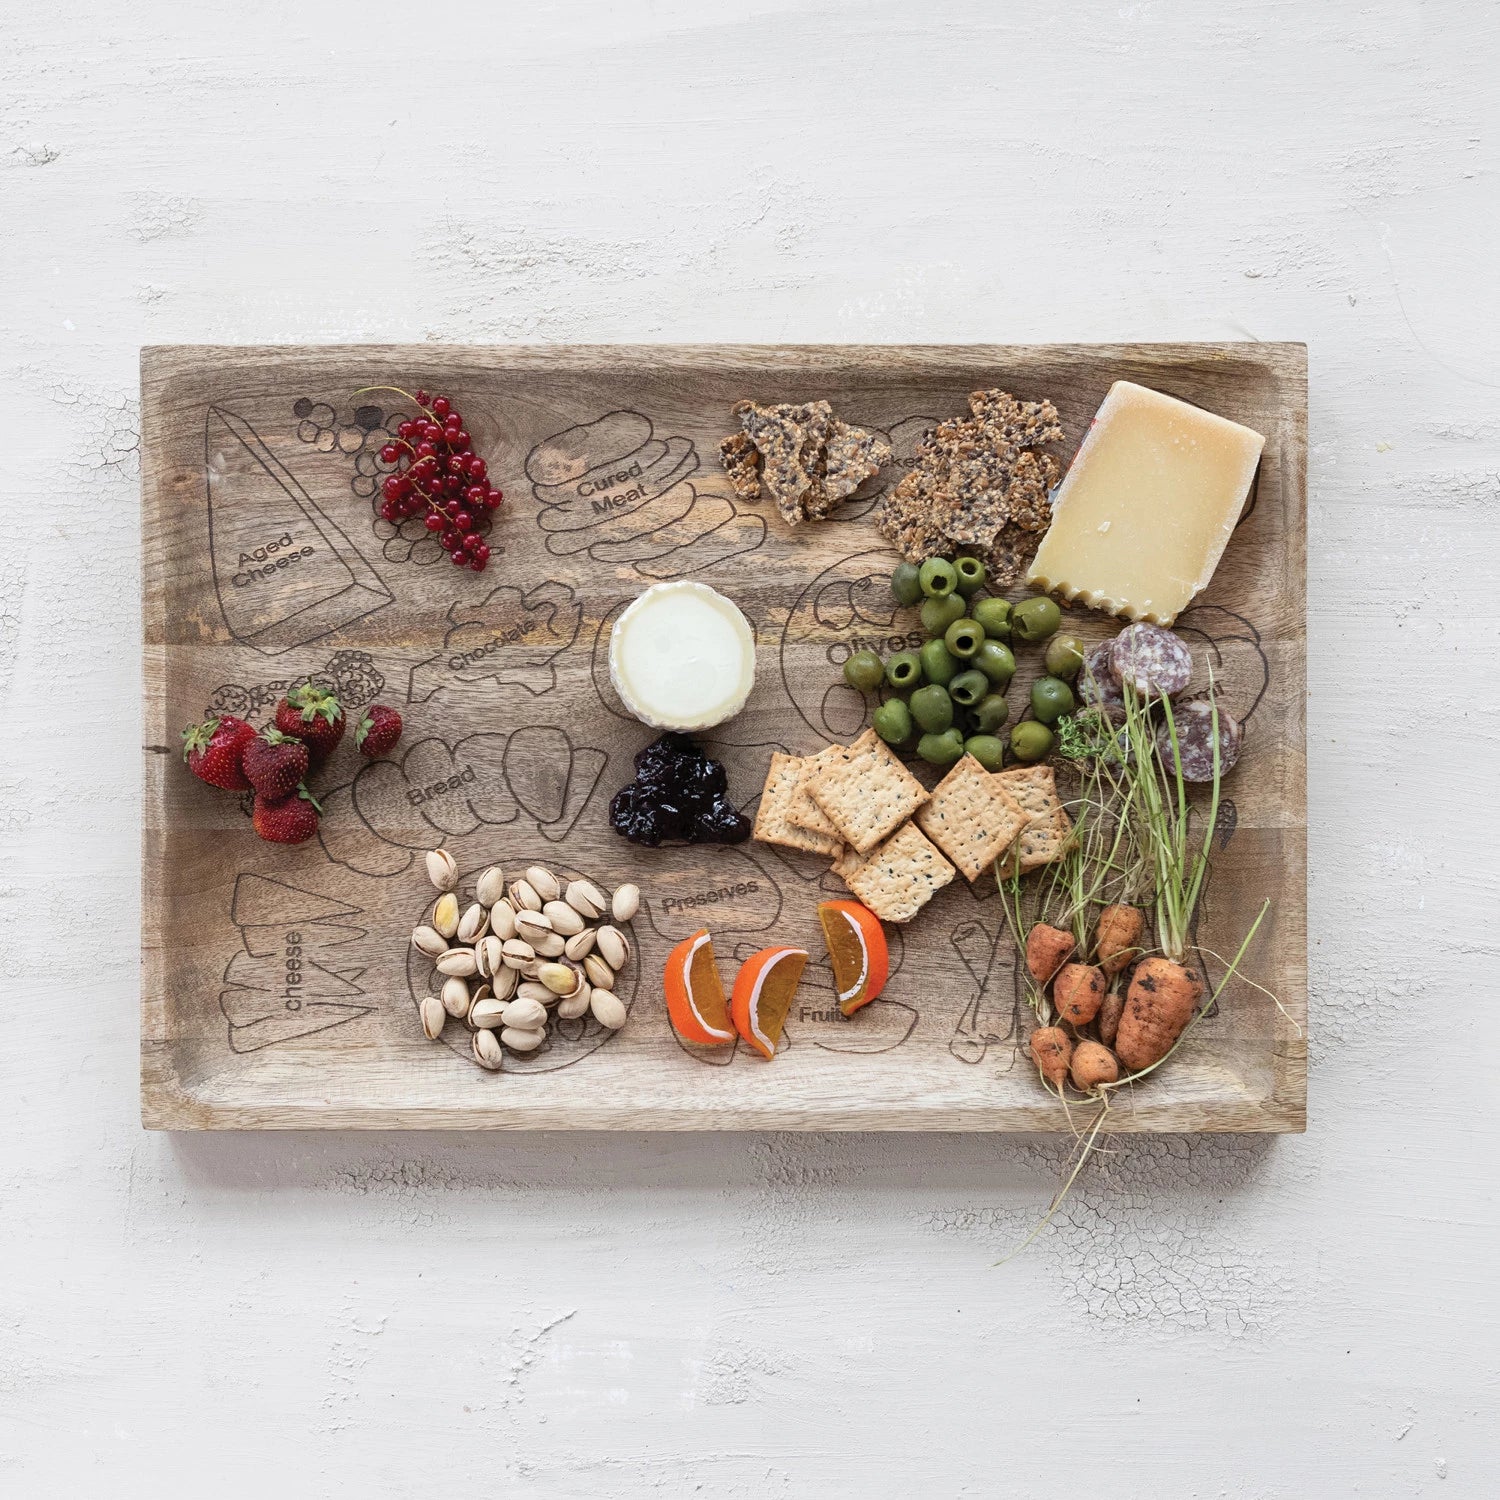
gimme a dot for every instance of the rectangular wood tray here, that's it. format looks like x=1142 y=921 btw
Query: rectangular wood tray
x=278 y=987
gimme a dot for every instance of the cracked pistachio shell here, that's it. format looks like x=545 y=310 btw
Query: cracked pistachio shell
x=442 y=869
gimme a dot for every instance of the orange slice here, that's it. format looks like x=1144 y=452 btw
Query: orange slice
x=762 y=996
x=857 y=950
x=695 y=993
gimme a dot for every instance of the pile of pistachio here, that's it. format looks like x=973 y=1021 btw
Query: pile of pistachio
x=519 y=957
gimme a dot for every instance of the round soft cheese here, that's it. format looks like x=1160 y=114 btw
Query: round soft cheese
x=682 y=656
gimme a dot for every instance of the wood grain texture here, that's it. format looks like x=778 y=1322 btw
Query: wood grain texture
x=278 y=989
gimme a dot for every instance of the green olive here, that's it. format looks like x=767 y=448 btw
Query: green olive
x=893 y=722
x=964 y=638
x=939 y=613
x=970 y=574
x=996 y=661
x=939 y=664
x=1064 y=656
x=904 y=670
x=932 y=708
x=864 y=671
x=906 y=583
x=937 y=577
x=1034 y=620
x=987 y=750
x=994 y=616
x=941 y=749
x=968 y=688
x=990 y=713
x=1030 y=740
x=1051 y=698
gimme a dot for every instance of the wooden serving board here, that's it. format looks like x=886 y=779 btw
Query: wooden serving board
x=279 y=990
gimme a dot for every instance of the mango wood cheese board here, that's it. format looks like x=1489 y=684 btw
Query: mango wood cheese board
x=279 y=989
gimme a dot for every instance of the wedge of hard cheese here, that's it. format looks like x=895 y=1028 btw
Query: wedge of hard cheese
x=1142 y=518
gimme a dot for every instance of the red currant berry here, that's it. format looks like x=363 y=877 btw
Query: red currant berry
x=406 y=429
x=421 y=398
x=481 y=554
x=426 y=450
x=434 y=521
x=459 y=558
x=450 y=539
x=441 y=406
x=477 y=467
x=477 y=565
x=389 y=454
x=472 y=543
x=463 y=520
x=475 y=496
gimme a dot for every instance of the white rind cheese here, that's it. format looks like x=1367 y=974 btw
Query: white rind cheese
x=1142 y=517
x=682 y=657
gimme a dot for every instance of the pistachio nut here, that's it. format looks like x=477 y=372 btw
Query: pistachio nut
x=528 y=1015
x=516 y=953
x=563 y=918
x=489 y=954
x=433 y=1015
x=543 y=882
x=598 y=972
x=534 y=989
x=442 y=869
x=613 y=946
x=580 y=945
x=503 y=920
x=487 y=1051
x=625 y=903
x=455 y=996
x=503 y=982
x=608 y=1009
x=520 y=1041
x=586 y=899
x=484 y=1015
x=430 y=941
x=458 y=962
x=472 y=924
x=570 y=1007
x=490 y=887
x=549 y=944
x=445 y=915
x=531 y=924
x=561 y=979
x=523 y=896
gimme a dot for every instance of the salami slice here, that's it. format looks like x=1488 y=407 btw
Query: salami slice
x=1097 y=683
x=1194 y=723
x=1153 y=661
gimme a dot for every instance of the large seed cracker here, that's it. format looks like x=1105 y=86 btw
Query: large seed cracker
x=1048 y=824
x=900 y=877
x=971 y=817
x=978 y=482
x=868 y=794
x=741 y=460
x=771 y=823
x=852 y=456
x=803 y=812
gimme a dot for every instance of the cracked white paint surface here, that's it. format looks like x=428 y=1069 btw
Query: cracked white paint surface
x=749 y=1316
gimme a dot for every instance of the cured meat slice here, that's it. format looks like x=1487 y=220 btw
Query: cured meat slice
x=1193 y=722
x=1097 y=683
x=1152 y=660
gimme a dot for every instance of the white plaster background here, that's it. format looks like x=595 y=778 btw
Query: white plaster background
x=765 y=1315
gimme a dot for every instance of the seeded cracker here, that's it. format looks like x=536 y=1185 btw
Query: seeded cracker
x=790 y=440
x=869 y=794
x=1042 y=840
x=771 y=822
x=979 y=482
x=971 y=817
x=803 y=812
x=852 y=456
x=741 y=461
x=899 y=878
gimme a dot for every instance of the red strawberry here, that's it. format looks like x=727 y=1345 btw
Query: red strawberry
x=275 y=764
x=378 y=731
x=286 y=820
x=213 y=749
x=313 y=715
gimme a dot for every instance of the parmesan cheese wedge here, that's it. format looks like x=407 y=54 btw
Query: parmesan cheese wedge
x=1142 y=518
x=682 y=657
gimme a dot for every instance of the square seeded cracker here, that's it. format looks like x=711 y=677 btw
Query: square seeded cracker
x=1048 y=825
x=900 y=877
x=771 y=823
x=869 y=794
x=803 y=812
x=971 y=817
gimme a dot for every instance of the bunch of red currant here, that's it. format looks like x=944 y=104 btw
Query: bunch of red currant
x=436 y=474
